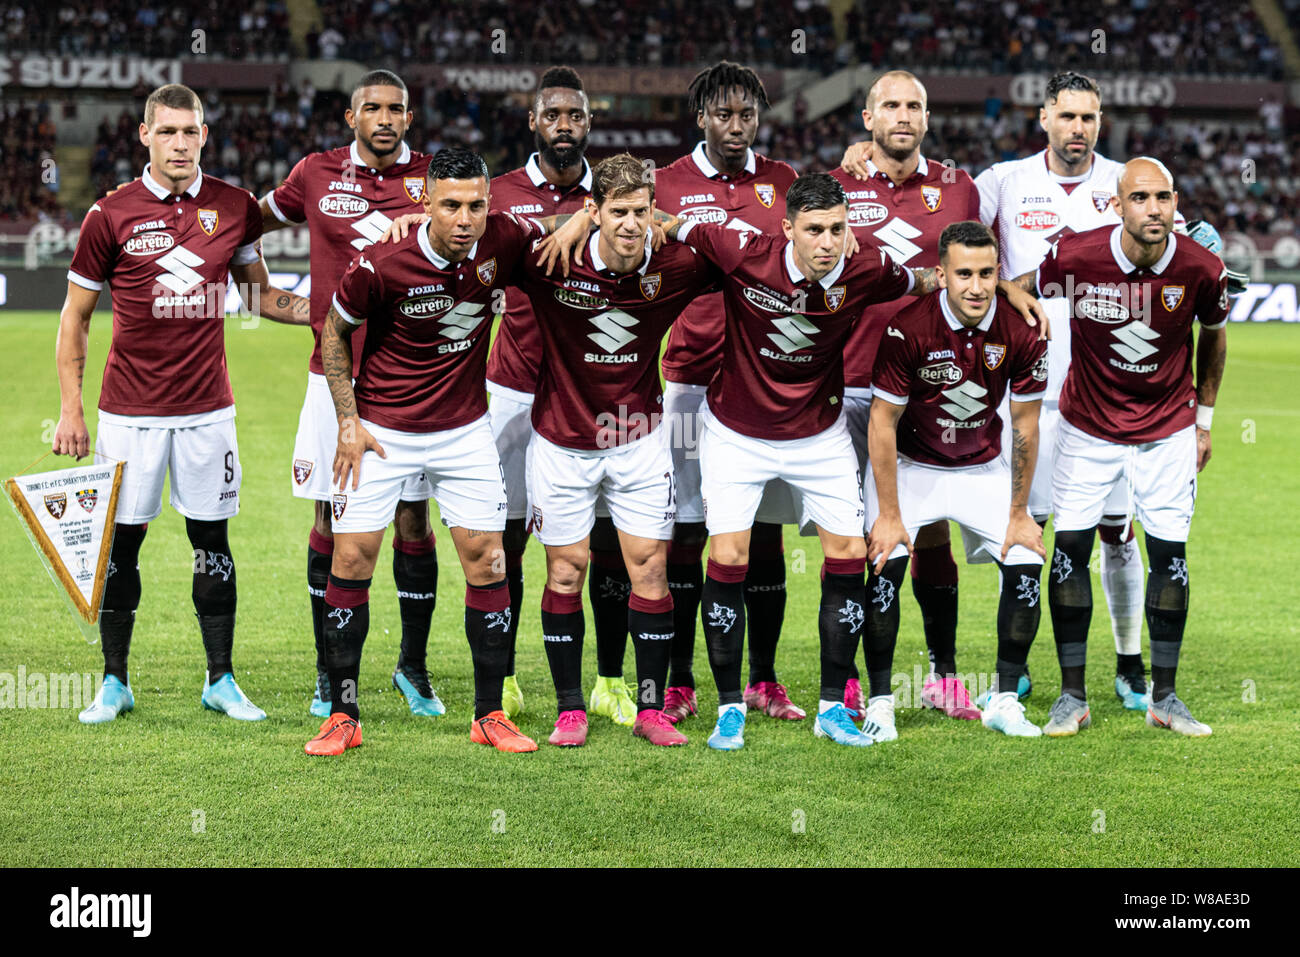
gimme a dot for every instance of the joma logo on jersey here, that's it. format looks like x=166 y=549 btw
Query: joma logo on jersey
x=1037 y=219
x=650 y=285
x=148 y=244
x=867 y=214
x=766 y=193
x=343 y=207
x=932 y=196
x=698 y=198
x=424 y=306
x=414 y=186
x=834 y=297
x=151 y=224
x=705 y=214
x=344 y=186
x=1171 y=296
x=940 y=373
x=940 y=354
x=208 y=220
x=527 y=208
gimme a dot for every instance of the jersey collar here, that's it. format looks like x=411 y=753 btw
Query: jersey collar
x=533 y=170
x=598 y=264
x=922 y=168
x=956 y=324
x=701 y=158
x=1126 y=265
x=427 y=248
x=403 y=157
x=796 y=277
x=162 y=192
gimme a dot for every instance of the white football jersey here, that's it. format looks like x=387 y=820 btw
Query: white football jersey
x=1029 y=209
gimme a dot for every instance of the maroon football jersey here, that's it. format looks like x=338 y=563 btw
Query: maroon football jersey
x=167 y=260
x=692 y=188
x=906 y=222
x=516 y=354
x=952 y=379
x=782 y=372
x=424 y=360
x=599 y=386
x=1130 y=377
x=346 y=205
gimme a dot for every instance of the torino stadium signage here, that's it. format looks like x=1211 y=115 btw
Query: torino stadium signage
x=87 y=73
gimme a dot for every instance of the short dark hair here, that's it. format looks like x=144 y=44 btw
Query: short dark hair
x=718 y=80
x=616 y=175
x=456 y=162
x=561 y=76
x=175 y=96
x=966 y=233
x=379 y=78
x=1069 y=80
x=813 y=191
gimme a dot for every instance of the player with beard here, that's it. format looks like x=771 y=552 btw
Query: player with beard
x=348 y=197
x=556 y=179
x=721 y=181
x=904 y=206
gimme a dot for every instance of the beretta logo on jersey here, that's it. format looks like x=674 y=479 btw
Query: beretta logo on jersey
x=87 y=498
x=1037 y=219
x=766 y=193
x=421 y=307
x=705 y=214
x=940 y=373
x=208 y=220
x=487 y=271
x=1100 y=199
x=342 y=206
x=867 y=214
x=650 y=285
x=1171 y=296
x=580 y=300
x=765 y=301
x=414 y=187
x=56 y=504
x=834 y=297
x=148 y=244
x=993 y=355
x=302 y=470
x=1101 y=310
x=932 y=196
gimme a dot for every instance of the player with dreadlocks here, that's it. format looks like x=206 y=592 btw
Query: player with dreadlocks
x=721 y=181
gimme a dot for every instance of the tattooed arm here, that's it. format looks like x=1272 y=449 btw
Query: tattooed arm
x=1021 y=528
x=354 y=441
x=263 y=299
x=70 y=435
x=1211 y=356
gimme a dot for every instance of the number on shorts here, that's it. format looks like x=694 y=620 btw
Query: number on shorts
x=672 y=490
x=230 y=467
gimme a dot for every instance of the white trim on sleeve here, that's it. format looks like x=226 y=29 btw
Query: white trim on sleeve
x=888 y=396
x=1029 y=396
x=1217 y=325
x=270 y=201
x=246 y=255
x=347 y=316
x=684 y=230
x=85 y=283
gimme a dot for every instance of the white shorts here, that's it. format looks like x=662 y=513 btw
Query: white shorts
x=511 y=415
x=682 y=414
x=634 y=480
x=820 y=470
x=857 y=416
x=203 y=461
x=460 y=466
x=1161 y=474
x=977 y=497
x=314 y=445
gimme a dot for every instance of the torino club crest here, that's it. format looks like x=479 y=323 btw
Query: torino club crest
x=766 y=193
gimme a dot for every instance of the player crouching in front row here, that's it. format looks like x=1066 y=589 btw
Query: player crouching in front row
x=935 y=444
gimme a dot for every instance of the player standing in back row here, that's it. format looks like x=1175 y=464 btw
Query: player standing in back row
x=165 y=244
x=348 y=197
x=723 y=182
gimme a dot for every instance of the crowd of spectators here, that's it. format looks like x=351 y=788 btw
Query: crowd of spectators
x=28 y=174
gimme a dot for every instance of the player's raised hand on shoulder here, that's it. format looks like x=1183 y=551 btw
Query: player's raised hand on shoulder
x=399 y=228
x=565 y=245
x=855 y=160
x=887 y=533
x=1203 y=450
x=851 y=245
x=354 y=442
x=71 y=436
x=1028 y=305
x=657 y=236
x=1023 y=530
x=119 y=186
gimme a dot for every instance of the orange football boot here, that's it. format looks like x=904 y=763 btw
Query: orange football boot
x=496 y=729
x=337 y=734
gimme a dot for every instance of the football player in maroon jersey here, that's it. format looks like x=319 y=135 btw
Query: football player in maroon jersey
x=347 y=197
x=165 y=244
x=1132 y=412
x=722 y=181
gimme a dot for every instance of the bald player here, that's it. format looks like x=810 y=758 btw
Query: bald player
x=1133 y=414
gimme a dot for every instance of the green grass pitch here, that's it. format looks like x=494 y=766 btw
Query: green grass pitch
x=172 y=784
